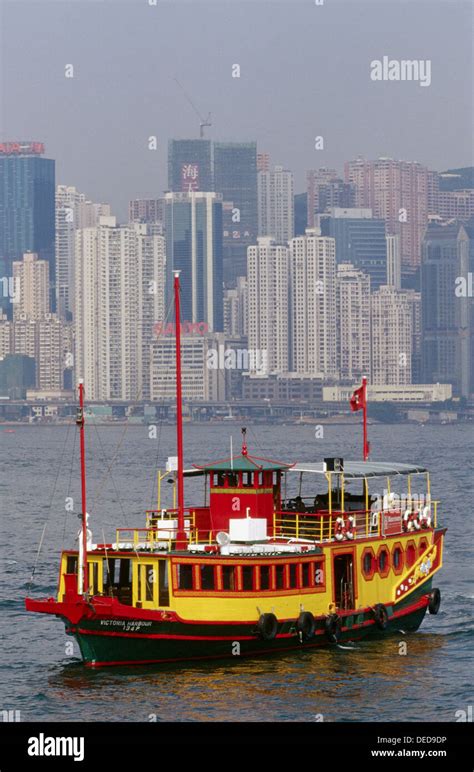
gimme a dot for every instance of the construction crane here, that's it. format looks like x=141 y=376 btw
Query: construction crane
x=202 y=121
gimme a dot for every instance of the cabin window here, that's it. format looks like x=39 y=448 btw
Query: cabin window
x=185 y=576
x=318 y=573
x=232 y=478
x=293 y=576
x=207 y=577
x=71 y=564
x=397 y=558
x=264 y=577
x=306 y=575
x=247 y=578
x=117 y=574
x=247 y=480
x=383 y=560
x=411 y=555
x=368 y=563
x=228 y=578
x=280 y=577
x=163 y=587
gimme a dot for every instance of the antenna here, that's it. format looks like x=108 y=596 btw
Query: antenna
x=202 y=121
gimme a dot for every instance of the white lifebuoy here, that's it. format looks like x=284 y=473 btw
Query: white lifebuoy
x=425 y=517
x=350 y=527
x=339 y=530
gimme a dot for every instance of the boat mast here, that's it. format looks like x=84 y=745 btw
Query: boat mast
x=82 y=573
x=181 y=539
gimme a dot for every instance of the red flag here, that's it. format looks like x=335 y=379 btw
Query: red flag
x=357 y=401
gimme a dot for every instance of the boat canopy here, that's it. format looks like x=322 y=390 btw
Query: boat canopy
x=358 y=470
x=242 y=463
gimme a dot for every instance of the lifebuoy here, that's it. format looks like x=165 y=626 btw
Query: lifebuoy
x=411 y=521
x=267 y=626
x=381 y=616
x=333 y=626
x=306 y=625
x=425 y=517
x=435 y=601
x=350 y=527
x=339 y=529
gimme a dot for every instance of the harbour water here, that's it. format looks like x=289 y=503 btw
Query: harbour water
x=366 y=681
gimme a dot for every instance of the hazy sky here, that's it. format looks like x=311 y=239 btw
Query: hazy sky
x=305 y=72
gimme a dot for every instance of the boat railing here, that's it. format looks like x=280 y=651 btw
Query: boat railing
x=326 y=525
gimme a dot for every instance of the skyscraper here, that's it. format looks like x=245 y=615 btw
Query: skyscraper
x=31 y=278
x=392 y=337
x=119 y=288
x=446 y=306
x=148 y=210
x=360 y=240
x=394 y=262
x=397 y=192
x=275 y=205
x=189 y=165
x=26 y=208
x=235 y=177
x=312 y=332
x=73 y=211
x=353 y=318
x=326 y=190
x=194 y=246
x=268 y=303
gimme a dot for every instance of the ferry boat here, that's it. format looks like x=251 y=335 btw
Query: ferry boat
x=252 y=570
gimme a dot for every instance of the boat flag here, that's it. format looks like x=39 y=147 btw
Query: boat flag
x=358 y=401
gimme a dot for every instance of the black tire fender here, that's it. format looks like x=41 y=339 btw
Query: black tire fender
x=267 y=626
x=306 y=625
x=435 y=601
x=381 y=616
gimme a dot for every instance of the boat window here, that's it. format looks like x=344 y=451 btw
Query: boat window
x=264 y=577
x=397 y=558
x=228 y=578
x=185 y=576
x=293 y=576
x=368 y=561
x=383 y=560
x=247 y=578
x=163 y=587
x=71 y=564
x=306 y=575
x=247 y=480
x=232 y=478
x=280 y=577
x=207 y=577
x=411 y=555
x=117 y=574
x=318 y=572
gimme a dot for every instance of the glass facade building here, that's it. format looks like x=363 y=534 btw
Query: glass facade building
x=360 y=241
x=189 y=165
x=235 y=177
x=194 y=246
x=27 y=214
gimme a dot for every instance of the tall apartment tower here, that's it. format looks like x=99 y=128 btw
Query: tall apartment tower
x=268 y=303
x=26 y=209
x=236 y=309
x=73 y=211
x=392 y=337
x=313 y=345
x=149 y=210
x=397 y=192
x=119 y=286
x=275 y=205
x=326 y=190
x=31 y=279
x=353 y=316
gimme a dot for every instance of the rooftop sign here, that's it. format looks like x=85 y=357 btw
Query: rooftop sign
x=21 y=148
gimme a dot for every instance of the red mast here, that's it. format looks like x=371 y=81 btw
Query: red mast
x=181 y=539
x=364 y=402
x=80 y=423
